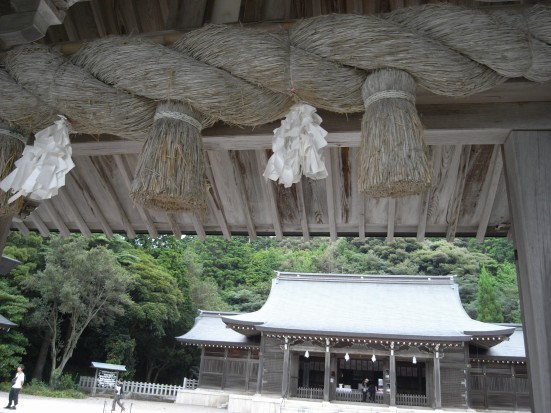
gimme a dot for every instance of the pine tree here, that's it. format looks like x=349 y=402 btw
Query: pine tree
x=488 y=308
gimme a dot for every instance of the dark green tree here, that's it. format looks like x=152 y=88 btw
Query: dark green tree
x=78 y=288
x=488 y=308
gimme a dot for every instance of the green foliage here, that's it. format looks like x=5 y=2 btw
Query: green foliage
x=169 y=279
x=488 y=308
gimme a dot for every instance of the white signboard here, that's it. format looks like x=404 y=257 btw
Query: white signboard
x=106 y=378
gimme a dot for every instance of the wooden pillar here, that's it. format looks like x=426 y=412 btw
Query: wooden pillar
x=224 y=369
x=285 y=378
x=248 y=369
x=392 y=376
x=527 y=156
x=437 y=387
x=201 y=367
x=327 y=372
x=260 y=376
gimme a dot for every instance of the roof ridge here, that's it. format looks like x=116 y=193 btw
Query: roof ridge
x=367 y=278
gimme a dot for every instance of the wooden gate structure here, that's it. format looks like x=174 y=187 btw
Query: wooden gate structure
x=489 y=150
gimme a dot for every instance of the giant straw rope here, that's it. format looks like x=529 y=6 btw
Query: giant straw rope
x=248 y=77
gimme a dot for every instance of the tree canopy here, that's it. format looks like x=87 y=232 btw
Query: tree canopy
x=151 y=290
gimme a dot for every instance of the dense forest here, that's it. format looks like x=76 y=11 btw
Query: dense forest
x=123 y=301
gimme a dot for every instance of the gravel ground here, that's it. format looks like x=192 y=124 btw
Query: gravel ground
x=36 y=404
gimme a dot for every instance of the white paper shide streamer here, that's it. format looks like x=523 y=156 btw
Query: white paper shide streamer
x=297 y=147
x=41 y=170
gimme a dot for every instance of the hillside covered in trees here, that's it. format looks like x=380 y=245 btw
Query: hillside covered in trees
x=123 y=301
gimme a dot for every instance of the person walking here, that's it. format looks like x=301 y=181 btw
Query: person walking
x=119 y=393
x=17 y=385
x=365 y=386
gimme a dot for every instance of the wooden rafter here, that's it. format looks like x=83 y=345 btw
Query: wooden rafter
x=391 y=219
x=58 y=222
x=39 y=224
x=454 y=209
x=361 y=216
x=244 y=197
x=171 y=217
x=198 y=225
x=214 y=202
x=261 y=161
x=423 y=216
x=109 y=191
x=491 y=183
x=127 y=177
x=302 y=211
x=68 y=202
x=81 y=186
x=21 y=227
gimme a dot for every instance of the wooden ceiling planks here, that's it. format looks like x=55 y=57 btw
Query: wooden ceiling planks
x=468 y=191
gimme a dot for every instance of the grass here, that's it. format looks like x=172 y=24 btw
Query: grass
x=38 y=388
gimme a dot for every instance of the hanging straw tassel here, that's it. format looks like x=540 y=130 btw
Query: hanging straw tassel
x=170 y=175
x=393 y=155
x=12 y=144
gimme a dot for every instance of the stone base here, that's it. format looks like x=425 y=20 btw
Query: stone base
x=207 y=398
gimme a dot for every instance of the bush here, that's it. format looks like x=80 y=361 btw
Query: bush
x=39 y=388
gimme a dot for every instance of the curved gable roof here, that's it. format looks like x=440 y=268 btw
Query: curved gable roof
x=398 y=307
x=209 y=329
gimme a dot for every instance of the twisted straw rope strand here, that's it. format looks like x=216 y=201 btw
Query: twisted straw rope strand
x=243 y=77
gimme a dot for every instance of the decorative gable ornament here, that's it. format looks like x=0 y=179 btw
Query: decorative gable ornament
x=297 y=147
x=41 y=170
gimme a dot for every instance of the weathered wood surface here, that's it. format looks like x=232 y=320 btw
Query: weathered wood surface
x=526 y=158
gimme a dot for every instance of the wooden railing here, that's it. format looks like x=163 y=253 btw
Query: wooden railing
x=309 y=393
x=356 y=396
x=411 y=400
x=134 y=388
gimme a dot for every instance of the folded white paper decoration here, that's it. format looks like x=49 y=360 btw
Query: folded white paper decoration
x=297 y=147
x=41 y=170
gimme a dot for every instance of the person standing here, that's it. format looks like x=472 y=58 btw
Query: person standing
x=365 y=385
x=119 y=393
x=17 y=385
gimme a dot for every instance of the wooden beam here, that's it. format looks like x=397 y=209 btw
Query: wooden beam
x=491 y=183
x=39 y=224
x=57 y=220
x=454 y=208
x=127 y=177
x=302 y=211
x=262 y=161
x=186 y=14
x=68 y=202
x=214 y=201
x=244 y=197
x=263 y=141
x=171 y=217
x=391 y=219
x=330 y=155
x=109 y=191
x=85 y=192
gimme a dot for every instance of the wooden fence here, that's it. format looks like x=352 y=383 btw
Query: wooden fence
x=411 y=400
x=309 y=393
x=136 y=389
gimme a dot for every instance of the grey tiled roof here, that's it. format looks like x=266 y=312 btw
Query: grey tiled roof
x=512 y=349
x=108 y=366
x=399 y=307
x=209 y=329
x=7 y=264
x=5 y=323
